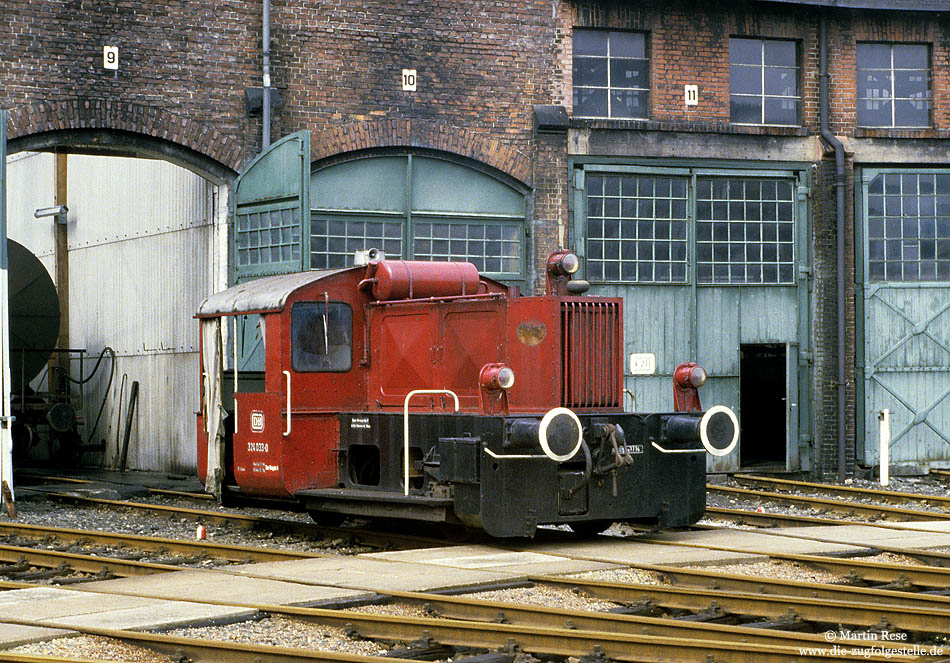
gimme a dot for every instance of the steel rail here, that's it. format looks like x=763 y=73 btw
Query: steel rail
x=834 y=506
x=855 y=569
x=943 y=474
x=792 y=588
x=480 y=610
x=766 y=519
x=249 y=522
x=231 y=553
x=537 y=640
x=888 y=496
x=771 y=520
x=210 y=650
x=930 y=557
x=72 y=562
x=8 y=657
x=823 y=611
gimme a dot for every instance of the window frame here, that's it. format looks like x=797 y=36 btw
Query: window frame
x=610 y=89
x=762 y=96
x=863 y=240
x=893 y=99
x=331 y=306
x=410 y=218
x=797 y=173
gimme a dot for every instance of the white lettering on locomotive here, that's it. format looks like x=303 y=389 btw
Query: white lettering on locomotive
x=360 y=422
x=261 y=447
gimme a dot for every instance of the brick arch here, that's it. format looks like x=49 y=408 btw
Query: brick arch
x=133 y=128
x=422 y=134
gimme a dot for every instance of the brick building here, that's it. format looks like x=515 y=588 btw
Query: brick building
x=679 y=148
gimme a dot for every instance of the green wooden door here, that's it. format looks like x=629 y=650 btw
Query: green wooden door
x=271 y=211
x=904 y=299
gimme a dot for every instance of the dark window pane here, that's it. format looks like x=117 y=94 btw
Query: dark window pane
x=628 y=73
x=911 y=113
x=912 y=84
x=745 y=51
x=745 y=110
x=781 y=111
x=590 y=103
x=745 y=80
x=629 y=103
x=873 y=56
x=781 y=82
x=874 y=113
x=590 y=42
x=627 y=45
x=590 y=71
x=780 y=53
x=910 y=56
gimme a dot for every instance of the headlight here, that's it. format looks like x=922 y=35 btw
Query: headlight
x=697 y=376
x=495 y=377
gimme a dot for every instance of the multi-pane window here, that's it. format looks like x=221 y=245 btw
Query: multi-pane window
x=636 y=228
x=492 y=248
x=334 y=241
x=265 y=238
x=416 y=207
x=908 y=217
x=640 y=229
x=894 y=88
x=764 y=82
x=611 y=74
x=745 y=230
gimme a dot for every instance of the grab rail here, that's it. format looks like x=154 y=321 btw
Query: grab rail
x=287 y=432
x=405 y=426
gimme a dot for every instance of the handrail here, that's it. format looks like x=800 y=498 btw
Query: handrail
x=405 y=426
x=677 y=451
x=287 y=432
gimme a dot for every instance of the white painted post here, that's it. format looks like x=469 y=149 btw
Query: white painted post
x=884 y=457
x=6 y=418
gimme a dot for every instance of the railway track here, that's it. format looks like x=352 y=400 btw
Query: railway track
x=380 y=539
x=777 y=604
x=829 y=505
x=884 y=496
x=465 y=622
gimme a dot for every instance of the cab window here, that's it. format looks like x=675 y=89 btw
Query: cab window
x=321 y=337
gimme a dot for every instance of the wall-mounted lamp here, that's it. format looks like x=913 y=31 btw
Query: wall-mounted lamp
x=59 y=212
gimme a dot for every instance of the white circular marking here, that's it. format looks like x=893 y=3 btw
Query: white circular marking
x=543 y=434
x=704 y=435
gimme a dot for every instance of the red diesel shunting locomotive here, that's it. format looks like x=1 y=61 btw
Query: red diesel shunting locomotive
x=422 y=390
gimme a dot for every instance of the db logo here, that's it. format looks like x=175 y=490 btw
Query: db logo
x=257 y=421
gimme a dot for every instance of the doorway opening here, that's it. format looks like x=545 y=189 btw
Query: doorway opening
x=762 y=401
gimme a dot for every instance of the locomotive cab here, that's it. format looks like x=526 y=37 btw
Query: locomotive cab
x=424 y=390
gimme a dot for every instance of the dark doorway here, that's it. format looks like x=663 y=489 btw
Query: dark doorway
x=762 y=387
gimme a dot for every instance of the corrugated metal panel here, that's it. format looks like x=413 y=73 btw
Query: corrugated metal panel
x=139 y=238
x=30 y=185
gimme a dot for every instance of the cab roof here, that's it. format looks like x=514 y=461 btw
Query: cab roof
x=260 y=295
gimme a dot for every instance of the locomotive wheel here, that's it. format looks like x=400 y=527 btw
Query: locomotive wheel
x=327 y=518
x=588 y=528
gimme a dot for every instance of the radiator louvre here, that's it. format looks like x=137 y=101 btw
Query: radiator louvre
x=591 y=357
